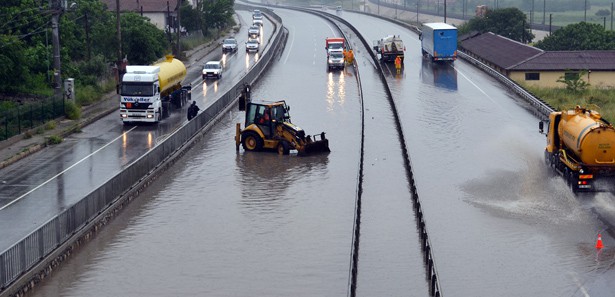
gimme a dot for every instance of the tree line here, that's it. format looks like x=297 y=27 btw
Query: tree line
x=88 y=40
x=512 y=23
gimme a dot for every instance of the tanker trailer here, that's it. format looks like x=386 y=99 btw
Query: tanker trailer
x=581 y=148
x=147 y=92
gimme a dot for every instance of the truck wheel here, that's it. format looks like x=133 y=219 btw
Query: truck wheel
x=251 y=141
x=283 y=148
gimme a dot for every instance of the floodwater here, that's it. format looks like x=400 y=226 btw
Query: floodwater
x=227 y=223
x=499 y=223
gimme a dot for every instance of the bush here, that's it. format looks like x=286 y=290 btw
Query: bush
x=50 y=125
x=72 y=111
x=54 y=139
x=87 y=95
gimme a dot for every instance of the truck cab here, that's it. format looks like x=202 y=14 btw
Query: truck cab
x=334 y=44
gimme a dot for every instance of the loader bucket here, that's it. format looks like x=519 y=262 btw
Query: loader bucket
x=315 y=146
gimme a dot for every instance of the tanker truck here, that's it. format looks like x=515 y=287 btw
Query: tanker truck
x=147 y=92
x=389 y=48
x=581 y=148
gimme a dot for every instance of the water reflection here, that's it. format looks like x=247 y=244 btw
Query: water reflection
x=266 y=177
x=336 y=89
x=150 y=140
x=441 y=75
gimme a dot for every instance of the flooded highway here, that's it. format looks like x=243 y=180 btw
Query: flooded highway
x=227 y=223
x=56 y=178
x=499 y=224
x=222 y=222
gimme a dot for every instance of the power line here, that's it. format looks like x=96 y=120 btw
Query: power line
x=38 y=30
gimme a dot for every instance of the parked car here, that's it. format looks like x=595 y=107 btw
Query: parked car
x=229 y=45
x=212 y=69
x=252 y=45
x=254 y=32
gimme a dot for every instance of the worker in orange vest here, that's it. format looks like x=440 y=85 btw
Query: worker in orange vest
x=350 y=57
x=398 y=64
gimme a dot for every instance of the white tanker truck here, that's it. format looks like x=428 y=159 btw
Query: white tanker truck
x=147 y=91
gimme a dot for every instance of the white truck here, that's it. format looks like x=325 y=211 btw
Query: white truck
x=146 y=92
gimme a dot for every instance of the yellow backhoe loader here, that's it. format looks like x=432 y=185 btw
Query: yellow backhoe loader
x=268 y=127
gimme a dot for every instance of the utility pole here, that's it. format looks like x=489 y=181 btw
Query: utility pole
x=87 y=35
x=119 y=32
x=585 y=15
x=120 y=64
x=56 y=11
x=544 y=11
x=532 y=14
x=178 y=27
x=417 y=12
x=444 y=11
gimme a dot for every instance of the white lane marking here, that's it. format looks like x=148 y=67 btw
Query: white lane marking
x=292 y=41
x=331 y=28
x=67 y=169
x=481 y=90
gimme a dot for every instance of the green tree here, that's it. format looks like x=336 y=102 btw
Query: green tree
x=574 y=81
x=580 y=36
x=216 y=14
x=603 y=13
x=507 y=22
x=12 y=64
x=142 y=41
x=191 y=18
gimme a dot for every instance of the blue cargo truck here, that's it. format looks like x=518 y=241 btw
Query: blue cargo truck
x=439 y=41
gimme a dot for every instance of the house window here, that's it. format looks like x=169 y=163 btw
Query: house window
x=571 y=75
x=532 y=76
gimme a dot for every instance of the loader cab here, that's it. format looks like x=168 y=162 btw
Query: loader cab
x=266 y=114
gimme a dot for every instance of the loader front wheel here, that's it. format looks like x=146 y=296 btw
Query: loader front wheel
x=251 y=141
x=283 y=148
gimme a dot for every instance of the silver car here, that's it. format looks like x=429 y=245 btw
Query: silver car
x=229 y=45
x=252 y=45
x=254 y=31
x=257 y=20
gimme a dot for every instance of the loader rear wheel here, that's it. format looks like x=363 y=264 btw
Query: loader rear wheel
x=283 y=148
x=252 y=142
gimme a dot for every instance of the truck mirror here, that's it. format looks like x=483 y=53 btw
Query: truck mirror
x=541 y=125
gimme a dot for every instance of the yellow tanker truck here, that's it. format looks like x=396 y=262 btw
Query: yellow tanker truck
x=581 y=147
x=147 y=92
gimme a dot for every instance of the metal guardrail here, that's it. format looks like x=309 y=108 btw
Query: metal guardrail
x=432 y=275
x=34 y=249
x=541 y=107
